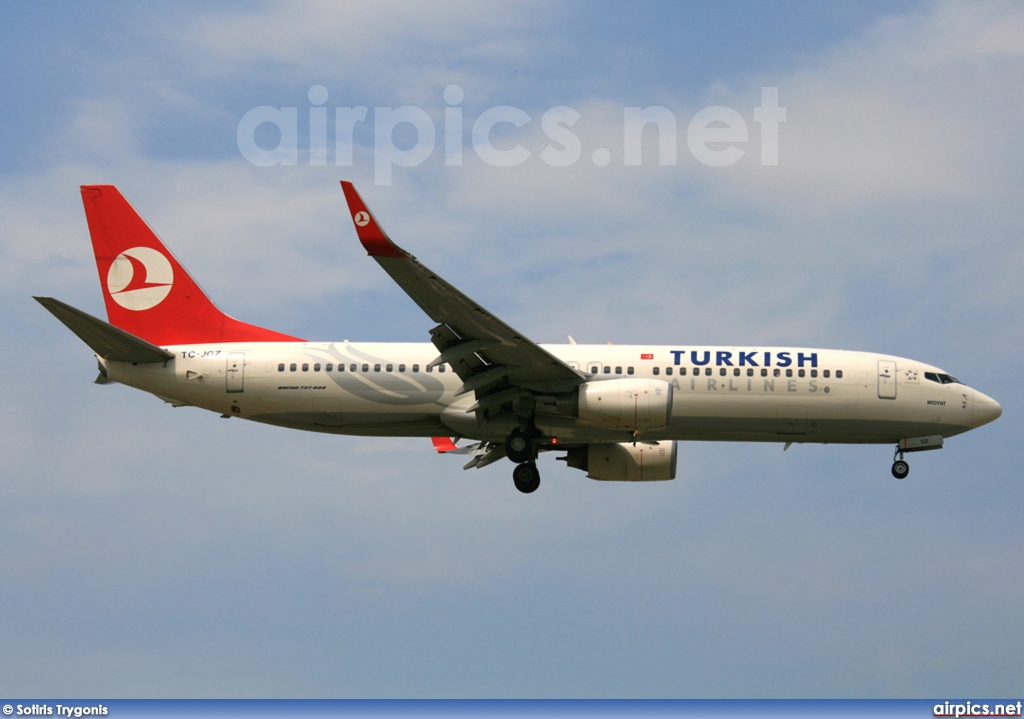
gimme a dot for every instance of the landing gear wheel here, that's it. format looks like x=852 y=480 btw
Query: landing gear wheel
x=518 y=447
x=526 y=477
x=900 y=469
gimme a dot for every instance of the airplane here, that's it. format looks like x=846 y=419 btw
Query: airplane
x=617 y=411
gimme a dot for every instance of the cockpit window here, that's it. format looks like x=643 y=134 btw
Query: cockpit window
x=941 y=378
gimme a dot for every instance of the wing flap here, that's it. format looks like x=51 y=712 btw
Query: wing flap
x=485 y=453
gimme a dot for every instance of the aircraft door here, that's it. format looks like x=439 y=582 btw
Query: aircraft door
x=886 y=379
x=236 y=372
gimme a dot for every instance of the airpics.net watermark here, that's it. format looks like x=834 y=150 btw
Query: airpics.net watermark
x=713 y=136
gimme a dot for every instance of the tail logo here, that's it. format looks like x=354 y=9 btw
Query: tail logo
x=362 y=218
x=140 y=278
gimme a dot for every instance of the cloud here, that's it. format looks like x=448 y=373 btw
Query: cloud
x=362 y=44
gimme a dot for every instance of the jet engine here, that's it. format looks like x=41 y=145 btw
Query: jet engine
x=633 y=404
x=625 y=462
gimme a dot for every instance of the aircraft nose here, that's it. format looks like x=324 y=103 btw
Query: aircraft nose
x=986 y=409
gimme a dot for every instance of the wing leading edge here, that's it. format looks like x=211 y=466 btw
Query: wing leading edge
x=500 y=365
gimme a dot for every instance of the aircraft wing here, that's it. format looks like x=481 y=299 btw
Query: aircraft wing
x=493 y=360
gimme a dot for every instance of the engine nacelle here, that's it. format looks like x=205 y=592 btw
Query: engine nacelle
x=633 y=404
x=626 y=462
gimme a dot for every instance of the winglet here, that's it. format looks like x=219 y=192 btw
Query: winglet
x=374 y=239
x=443 y=444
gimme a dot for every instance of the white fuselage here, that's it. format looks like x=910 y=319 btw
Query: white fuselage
x=719 y=393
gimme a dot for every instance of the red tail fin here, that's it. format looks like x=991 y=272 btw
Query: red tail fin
x=146 y=290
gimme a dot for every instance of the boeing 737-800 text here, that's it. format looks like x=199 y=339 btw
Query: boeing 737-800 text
x=616 y=411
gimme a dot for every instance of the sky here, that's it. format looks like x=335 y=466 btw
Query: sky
x=147 y=551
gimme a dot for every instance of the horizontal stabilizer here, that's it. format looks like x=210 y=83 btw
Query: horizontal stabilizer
x=109 y=342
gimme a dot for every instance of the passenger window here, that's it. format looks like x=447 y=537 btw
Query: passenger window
x=618 y=370
x=825 y=374
x=629 y=370
x=777 y=372
x=441 y=368
x=839 y=374
x=415 y=368
x=668 y=370
x=789 y=373
x=736 y=372
x=280 y=367
x=293 y=367
x=800 y=373
x=814 y=373
x=607 y=370
x=656 y=371
x=316 y=367
x=722 y=371
x=351 y=368
x=750 y=372
x=366 y=368
x=401 y=368
x=376 y=368
x=764 y=372
x=707 y=371
x=329 y=367
x=593 y=370
x=341 y=367
x=390 y=368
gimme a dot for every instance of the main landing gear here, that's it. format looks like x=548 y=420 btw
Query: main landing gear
x=526 y=477
x=520 y=448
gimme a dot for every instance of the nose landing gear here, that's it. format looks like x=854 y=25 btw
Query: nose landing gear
x=900 y=469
